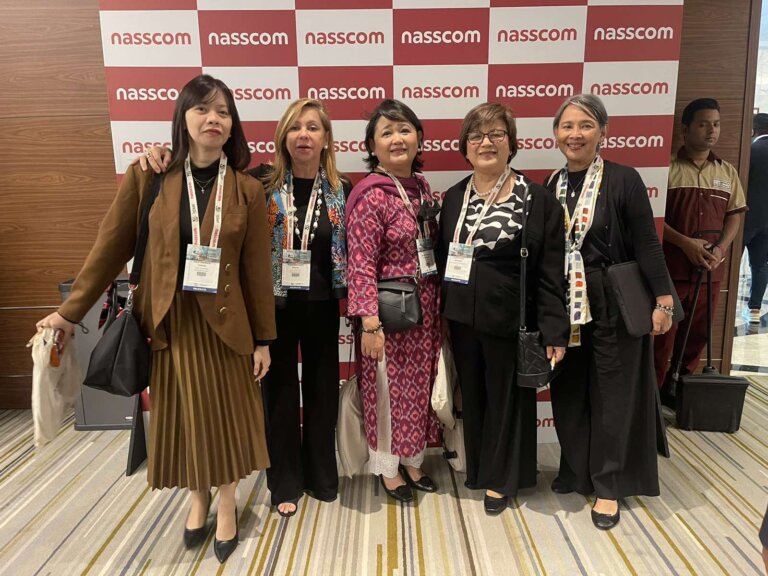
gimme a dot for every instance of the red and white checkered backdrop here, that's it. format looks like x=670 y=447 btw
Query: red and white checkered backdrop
x=441 y=57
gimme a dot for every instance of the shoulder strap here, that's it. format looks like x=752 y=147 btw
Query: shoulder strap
x=523 y=258
x=141 y=239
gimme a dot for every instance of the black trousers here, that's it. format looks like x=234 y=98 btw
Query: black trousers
x=301 y=429
x=604 y=405
x=499 y=417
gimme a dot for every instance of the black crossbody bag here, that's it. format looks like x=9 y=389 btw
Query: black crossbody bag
x=533 y=366
x=121 y=361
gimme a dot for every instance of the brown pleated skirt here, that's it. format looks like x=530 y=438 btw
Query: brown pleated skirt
x=207 y=421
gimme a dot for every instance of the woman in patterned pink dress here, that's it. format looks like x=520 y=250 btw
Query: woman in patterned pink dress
x=383 y=231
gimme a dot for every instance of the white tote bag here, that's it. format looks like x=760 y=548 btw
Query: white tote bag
x=445 y=383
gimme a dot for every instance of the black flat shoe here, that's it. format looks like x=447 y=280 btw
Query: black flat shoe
x=402 y=493
x=223 y=548
x=559 y=486
x=424 y=483
x=295 y=502
x=605 y=521
x=193 y=537
x=494 y=506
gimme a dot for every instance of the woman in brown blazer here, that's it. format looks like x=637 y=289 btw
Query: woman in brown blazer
x=207 y=426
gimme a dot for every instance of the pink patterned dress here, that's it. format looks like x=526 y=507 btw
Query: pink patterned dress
x=381 y=236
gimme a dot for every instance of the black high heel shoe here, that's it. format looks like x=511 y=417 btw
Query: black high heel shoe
x=193 y=537
x=223 y=548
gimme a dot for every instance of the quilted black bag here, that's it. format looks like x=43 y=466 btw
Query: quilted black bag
x=533 y=367
x=121 y=361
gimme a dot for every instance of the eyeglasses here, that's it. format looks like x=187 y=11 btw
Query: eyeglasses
x=494 y=136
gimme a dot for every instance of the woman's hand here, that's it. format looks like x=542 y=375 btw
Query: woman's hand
x=372 y=344
x=662 y=322
x=261 y=362
x=157 y=157
x=62 y=328
x=556 y=353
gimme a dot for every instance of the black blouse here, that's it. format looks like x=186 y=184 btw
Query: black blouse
x=207 y=174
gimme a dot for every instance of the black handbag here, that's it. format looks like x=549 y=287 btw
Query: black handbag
x=399 y=305
x=533 y=368
x=121 y=361
x=635 y=299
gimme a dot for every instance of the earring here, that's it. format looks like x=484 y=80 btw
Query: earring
x=325 y=147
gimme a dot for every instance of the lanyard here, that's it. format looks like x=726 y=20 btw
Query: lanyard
x=486 y=206
x=194 y=212
x=404 y=197
x=291 y=209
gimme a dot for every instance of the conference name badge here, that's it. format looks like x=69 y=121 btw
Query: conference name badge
x=201 y=269
x=459 y=264
x=426 y=252
x=296 y=268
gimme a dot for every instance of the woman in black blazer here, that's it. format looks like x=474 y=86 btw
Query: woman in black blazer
x=481 y=218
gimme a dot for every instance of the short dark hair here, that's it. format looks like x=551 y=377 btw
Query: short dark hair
x=397 y=112
x=205 y=88
x=760 y=123
x=488 y=113
x=695 y=105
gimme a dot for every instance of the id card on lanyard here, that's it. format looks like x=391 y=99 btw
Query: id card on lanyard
x=424 y=248
x=297 y=264
x=201 y=266
x=458 y=268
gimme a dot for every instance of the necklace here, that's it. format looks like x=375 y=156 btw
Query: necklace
x=203 y=185
x=577 y=187
x=316 y=188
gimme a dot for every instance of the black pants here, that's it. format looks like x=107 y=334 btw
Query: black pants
x=756 y=243
x=499 y=417
x=604 y=405
x=303 y=461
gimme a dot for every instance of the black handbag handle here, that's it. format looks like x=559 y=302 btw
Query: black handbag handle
x=141 y=239
x=523 y=260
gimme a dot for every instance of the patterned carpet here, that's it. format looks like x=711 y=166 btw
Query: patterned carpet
x=69 y=509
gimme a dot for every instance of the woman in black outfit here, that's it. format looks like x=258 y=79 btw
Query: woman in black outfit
x=482 y=216
x=604 y=401
x=304 y=178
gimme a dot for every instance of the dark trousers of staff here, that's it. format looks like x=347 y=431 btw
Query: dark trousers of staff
x=301 y=430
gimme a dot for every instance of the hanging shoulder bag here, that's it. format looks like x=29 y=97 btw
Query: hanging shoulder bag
x=533 y=366
x=121 y=361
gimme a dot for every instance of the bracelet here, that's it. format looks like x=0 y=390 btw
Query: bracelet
x=668 y=310
x=374 y=330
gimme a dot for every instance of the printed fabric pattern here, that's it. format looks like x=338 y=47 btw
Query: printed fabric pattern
x=278 y=225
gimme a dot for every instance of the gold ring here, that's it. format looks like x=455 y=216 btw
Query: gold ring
x=148 y=154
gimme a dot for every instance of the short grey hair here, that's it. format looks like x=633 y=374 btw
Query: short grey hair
x=589 y=103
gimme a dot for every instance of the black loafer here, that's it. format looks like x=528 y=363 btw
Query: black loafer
x=559 y=486
x=402 y=493
x=224 y=548
x=605 y=521
x=494 y=506
x=424 y=483
x=193 y=537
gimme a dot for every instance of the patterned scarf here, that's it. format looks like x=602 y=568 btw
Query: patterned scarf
x=278 y=224
x=576 y=227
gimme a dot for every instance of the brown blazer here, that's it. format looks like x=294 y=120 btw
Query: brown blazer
x=243 y=309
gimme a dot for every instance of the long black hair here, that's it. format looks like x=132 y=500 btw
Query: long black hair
x=204 y=89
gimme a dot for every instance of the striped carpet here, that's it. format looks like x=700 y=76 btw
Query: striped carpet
x=68 y=509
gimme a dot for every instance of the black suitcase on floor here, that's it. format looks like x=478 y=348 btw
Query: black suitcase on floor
x=708 y=401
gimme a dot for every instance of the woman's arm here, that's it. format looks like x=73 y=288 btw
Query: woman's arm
x=552 y=316
x=256 y=266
